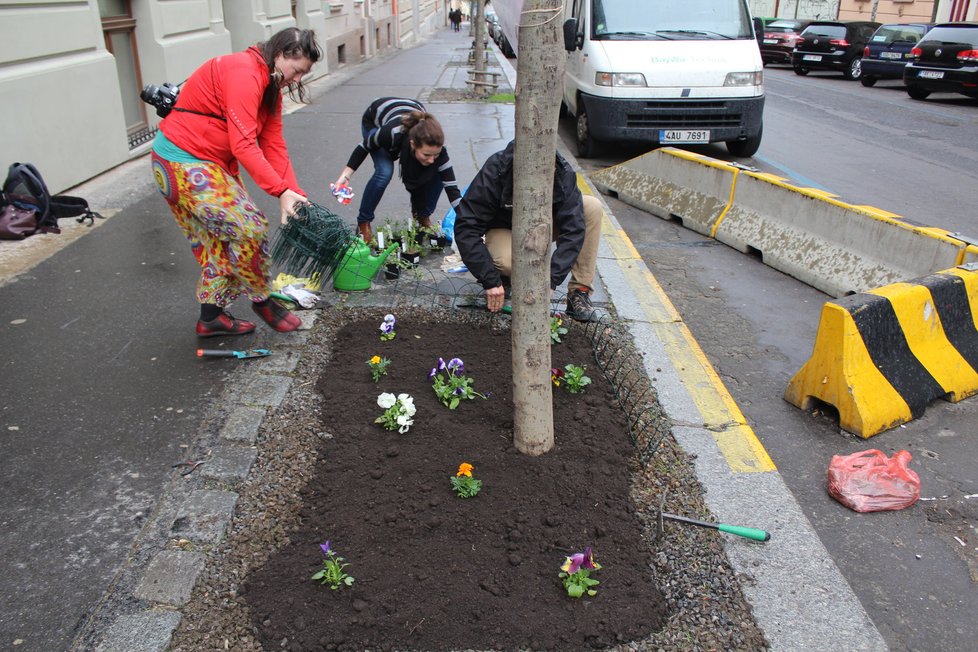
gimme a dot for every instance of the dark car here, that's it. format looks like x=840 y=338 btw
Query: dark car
x=945 y=61
x=833 y=45
x=888 y=51
x=779 y=39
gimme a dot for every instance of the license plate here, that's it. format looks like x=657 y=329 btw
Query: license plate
x=684 y=136
x=891 y=55
x=771 y=41
x=931 y=74
x=812 y=57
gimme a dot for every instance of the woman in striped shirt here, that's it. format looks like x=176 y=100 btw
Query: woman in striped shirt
x=401 y=129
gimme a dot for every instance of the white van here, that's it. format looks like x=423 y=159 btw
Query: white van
x=663 y=72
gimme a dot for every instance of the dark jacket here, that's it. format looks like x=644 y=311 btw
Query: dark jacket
x=488 y=204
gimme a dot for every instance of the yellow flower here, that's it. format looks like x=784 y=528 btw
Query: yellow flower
x=465 y=469
x=375 y=360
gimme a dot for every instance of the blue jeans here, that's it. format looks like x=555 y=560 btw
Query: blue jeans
x=425 y=199
x=373 y=192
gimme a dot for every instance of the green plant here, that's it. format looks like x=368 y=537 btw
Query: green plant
x=398 y=412
x=576 y=571
x=557 y=328
x=378 y=367
x=452 y=387
x=463 y=483
x=332 y=572
x=572 y=377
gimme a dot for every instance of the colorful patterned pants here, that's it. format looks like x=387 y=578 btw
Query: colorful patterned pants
x=228 y=234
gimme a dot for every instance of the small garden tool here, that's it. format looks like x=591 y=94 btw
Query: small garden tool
x=225 y=353
x=739 y=530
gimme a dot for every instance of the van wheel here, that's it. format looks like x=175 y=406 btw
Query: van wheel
x=586 y=146
x=801 y=71
x=855 y=69
x=747 y=147
x=917 y=93
x=868 y=81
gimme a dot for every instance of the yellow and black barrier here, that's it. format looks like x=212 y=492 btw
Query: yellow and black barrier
x=882 y=356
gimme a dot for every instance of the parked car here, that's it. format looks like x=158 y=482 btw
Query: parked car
x=833 y=45
x=945 y=61
x=492 y=24
x=888 y=51
x=780 y=37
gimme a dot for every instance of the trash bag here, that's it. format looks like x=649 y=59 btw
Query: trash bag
x=872 y=482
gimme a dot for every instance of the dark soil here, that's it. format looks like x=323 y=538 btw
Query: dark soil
x=436 y=572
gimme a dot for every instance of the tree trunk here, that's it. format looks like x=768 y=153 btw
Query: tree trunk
x=540 y=73
x=479 y=50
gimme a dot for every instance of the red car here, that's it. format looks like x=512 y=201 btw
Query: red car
x=780 y=37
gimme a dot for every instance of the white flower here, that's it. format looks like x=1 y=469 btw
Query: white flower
x=404 y=420
x=386 y=400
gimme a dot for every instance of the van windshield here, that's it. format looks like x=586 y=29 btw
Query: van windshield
x=670 y=20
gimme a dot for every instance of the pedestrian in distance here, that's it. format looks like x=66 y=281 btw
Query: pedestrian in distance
x=484 y=233
x=400 y=129
x=229 y=115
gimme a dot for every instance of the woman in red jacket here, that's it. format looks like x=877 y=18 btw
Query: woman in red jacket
x=229 y=113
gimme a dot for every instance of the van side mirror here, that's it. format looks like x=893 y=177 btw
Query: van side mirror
x=571 y=39
x=758 y=29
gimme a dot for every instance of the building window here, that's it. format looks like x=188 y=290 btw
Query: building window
x=119 y=31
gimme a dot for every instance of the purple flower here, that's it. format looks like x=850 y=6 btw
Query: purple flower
x=458 y=391
x=580 y=560
x=456 y=365
x=325 y=548
x=432 y=373
x=441 y=364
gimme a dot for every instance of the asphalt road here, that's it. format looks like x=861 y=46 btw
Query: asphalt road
x=871 y=146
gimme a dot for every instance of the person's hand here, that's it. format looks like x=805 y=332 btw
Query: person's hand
x=289 y=202
x=342 y=180
x=495 y=298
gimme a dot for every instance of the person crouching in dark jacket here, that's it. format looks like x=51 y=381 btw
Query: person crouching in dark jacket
x=484 y=233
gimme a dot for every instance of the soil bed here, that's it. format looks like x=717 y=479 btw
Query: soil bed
x=436 y=572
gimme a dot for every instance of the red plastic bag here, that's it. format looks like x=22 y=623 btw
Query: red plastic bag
x=872 y=482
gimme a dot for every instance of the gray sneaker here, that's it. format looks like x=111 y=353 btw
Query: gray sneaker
x=580 y=308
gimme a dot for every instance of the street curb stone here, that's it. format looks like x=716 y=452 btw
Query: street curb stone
x=148 y=631
x=263 y=390
x=170 y=577
x=204 y=515
x=229 y=463
x=242 y=424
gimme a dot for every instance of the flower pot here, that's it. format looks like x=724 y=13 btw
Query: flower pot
x=392 y=271
x=437 y=242
x=412 y=258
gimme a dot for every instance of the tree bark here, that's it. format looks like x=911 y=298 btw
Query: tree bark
x=540 y=73
x=479 y=50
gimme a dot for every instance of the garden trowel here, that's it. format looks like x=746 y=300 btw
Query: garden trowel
x=223 y=353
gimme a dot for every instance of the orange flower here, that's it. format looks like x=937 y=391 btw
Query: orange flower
x=465 y=469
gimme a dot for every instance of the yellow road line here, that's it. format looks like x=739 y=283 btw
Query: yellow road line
x=721 y=416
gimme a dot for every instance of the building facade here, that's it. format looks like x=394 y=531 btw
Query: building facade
x=883 y=11
x=71 y=71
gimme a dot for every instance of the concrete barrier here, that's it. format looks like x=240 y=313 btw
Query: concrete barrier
x=837 y=247
x=834 y=246
x=673 y=184
x=881 y=357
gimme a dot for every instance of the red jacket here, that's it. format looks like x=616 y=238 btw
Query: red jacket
x=232 y=86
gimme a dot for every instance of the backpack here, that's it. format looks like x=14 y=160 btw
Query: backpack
x=25 y=189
